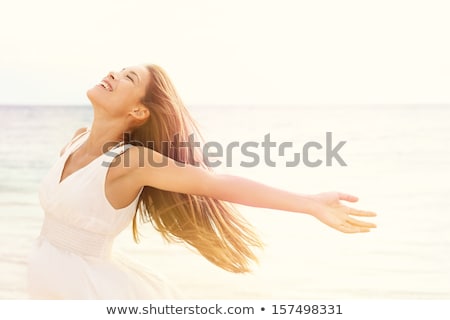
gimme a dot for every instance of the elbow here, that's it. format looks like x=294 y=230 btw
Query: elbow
x=219 y=186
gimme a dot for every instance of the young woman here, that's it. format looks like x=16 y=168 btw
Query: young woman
x=129 y=167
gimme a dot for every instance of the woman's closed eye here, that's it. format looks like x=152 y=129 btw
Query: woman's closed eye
x=130 y=78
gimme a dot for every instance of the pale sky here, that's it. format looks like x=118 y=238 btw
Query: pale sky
x=230 y=52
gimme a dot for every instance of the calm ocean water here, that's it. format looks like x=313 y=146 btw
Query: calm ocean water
x=397 y=159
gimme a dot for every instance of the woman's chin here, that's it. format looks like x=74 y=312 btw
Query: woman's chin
x=94 y=94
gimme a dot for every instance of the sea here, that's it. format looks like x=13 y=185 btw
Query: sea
x=395 y=158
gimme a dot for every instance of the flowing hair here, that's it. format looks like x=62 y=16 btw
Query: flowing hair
x=213 y=227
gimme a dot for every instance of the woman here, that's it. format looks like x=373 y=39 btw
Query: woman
x=128 y=167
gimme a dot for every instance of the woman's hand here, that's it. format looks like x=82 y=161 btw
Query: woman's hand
x=338 y=216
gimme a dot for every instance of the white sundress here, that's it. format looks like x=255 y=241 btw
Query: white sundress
x=72 y=257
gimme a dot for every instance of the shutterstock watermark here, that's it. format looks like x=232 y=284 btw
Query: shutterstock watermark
x=215 y=154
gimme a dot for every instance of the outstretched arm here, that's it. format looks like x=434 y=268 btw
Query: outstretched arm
x=327 y=207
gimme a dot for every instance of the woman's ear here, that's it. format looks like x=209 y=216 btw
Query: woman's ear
x=140 y=113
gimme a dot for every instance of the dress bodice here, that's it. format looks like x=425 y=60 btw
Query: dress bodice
x=78 y=215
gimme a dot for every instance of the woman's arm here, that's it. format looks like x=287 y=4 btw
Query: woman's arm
x=161 y=172
x=326 y=207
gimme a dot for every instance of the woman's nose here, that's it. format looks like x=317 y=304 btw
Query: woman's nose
x=112 y=75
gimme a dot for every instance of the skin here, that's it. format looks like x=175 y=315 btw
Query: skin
x=120 y=109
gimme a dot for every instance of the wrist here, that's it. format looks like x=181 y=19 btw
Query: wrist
x=312 y=205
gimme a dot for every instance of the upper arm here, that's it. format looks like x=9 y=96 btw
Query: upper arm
x=76 y=134
x=151 y=168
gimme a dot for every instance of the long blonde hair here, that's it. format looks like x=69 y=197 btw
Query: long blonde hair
x=213 y=227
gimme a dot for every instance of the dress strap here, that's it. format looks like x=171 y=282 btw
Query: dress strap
x=110 y=155
x=74 y=142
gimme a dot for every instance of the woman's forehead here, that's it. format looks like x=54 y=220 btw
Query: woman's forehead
x=139 y=69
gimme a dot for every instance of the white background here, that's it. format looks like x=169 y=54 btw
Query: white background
x=230 y=52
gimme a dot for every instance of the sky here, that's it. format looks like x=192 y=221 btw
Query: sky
x=230 y=52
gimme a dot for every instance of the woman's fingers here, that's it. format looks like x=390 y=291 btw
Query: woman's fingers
x=361 y=223
x=347 y=197
x=347 y=228
x=360 y=213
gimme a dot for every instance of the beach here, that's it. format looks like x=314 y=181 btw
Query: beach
x=396 y=161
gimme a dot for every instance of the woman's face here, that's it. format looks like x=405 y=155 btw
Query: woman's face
x=120 y=91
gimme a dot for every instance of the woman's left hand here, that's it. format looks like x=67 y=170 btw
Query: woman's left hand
x=338 y=216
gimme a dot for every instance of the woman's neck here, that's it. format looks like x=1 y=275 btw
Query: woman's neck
x=104 y=135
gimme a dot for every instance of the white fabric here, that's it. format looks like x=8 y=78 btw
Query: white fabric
x=72 y=257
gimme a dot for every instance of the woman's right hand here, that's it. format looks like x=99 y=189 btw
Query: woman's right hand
x=335 y=214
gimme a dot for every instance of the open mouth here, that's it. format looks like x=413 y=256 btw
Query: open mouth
x=105 y=85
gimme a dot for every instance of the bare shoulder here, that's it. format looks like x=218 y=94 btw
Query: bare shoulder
x=140 y=156
x=124 y=166
x=148 y=167
x=76 y=134
x=138 y=161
